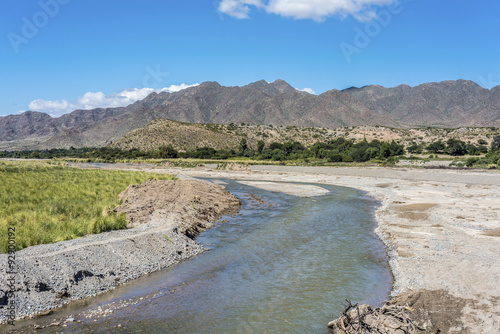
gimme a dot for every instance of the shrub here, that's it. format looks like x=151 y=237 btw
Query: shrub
x=471 y=161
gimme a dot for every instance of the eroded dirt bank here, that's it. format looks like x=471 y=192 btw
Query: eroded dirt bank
x=164 y=216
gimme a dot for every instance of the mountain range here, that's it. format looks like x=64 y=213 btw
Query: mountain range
x=449 y=104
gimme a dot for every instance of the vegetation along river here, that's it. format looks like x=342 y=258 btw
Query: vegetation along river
x=282 y=266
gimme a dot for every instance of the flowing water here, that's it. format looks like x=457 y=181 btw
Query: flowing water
x=286 y=266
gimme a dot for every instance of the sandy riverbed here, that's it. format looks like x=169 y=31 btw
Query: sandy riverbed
x=300 y=190
x=441 y=229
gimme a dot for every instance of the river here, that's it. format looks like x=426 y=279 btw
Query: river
x=286 y=265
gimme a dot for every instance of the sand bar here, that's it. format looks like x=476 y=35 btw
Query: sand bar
x=301 y=190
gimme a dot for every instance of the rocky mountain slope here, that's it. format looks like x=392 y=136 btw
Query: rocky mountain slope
x=444 y=104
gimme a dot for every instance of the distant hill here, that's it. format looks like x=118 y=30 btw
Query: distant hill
x=189 y=136
x=182 y=136
x=444 y=104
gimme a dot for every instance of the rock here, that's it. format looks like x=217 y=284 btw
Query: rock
x=41 y=314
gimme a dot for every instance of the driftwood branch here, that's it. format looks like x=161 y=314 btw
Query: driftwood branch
x=362 y=319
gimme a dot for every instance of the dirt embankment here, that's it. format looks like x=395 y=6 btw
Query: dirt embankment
x=165 y=217
x=204 y=201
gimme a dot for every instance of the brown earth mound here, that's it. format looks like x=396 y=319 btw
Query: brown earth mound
x=203 y=200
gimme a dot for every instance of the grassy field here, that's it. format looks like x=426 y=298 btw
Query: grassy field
x=49 y=202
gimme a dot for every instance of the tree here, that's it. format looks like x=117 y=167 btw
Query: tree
x=242 y=147
x=495 y=145
x=260 y=146
x=204 y=153
x=168 y=152
x=436 y=147
x=372 y=152
x=455 y=147
x=396 y=149
x=414 y=148
x=278 y=155
x=385 y=151
x=482 y=149
x=275 y=145
x=249 y=153
x=267 y=153
x=334 y=156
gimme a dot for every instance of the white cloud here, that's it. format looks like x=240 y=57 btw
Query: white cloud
x=307 y=90
x=239 y=8
x=93 y=100
x=317 y=10
x=176 y=88
x=52 y=107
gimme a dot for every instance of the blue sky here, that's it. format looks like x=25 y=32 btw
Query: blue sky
x=57 y=55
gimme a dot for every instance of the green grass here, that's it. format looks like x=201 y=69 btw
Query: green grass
x=49 y=202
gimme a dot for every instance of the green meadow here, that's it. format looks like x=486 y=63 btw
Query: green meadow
x=49 y=202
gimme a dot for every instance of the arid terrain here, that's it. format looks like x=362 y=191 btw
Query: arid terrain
x=441 y=229
x=188 y=136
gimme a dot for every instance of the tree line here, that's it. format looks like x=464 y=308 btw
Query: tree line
x=452 y=146
x=336 y=150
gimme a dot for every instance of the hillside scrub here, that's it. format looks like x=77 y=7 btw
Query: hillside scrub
x=47 y=202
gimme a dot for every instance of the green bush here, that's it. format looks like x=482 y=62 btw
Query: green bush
x=471 y=161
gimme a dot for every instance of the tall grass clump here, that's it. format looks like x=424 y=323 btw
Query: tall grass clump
x=48 y=202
